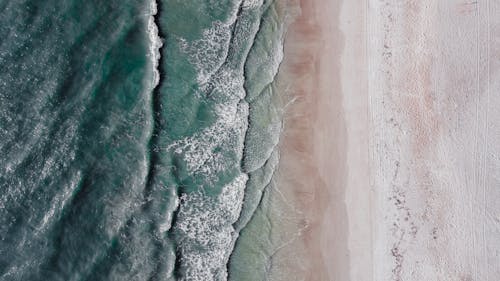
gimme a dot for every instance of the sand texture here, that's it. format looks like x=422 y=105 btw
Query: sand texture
x=390 y=151
x=434 y=127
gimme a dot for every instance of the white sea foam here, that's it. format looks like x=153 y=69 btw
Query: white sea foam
x=205 y=224
x=166 y=224
x=229 y=84
x=199 y=150
x=209 y=52
x=249 y=4
x=228 y=131
x=155 y=41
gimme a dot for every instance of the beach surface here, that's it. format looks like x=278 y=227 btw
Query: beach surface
x=433 y=139
x=389 y=154
x=323 y=168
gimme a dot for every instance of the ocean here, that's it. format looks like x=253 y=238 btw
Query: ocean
x=137 y=138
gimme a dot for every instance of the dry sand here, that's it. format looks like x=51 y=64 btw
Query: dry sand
x=434 y=131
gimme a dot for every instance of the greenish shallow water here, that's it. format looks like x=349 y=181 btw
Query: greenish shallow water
x=106 y=174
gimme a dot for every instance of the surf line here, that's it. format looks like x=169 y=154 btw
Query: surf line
x=155 y=46
x=156 y=43
x=156 y=38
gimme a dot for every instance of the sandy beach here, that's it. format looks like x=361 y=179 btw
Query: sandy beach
x=389 y=154
x=324 y=165
x=433 y=128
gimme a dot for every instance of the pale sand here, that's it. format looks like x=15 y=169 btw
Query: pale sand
x=434 y=84
x=358 y=195
x=320 y=157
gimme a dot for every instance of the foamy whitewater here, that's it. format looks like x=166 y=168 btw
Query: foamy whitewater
x=138 y=137
x=204 y=231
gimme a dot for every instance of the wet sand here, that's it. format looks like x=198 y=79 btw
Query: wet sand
x=320 y=157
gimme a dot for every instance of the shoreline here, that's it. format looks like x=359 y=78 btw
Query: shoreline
x=373 y=170
x=311 y=173
x=323 y=168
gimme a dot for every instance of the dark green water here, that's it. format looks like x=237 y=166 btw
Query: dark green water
x=122 y=162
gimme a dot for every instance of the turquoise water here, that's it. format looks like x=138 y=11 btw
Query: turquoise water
x=137 y=137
